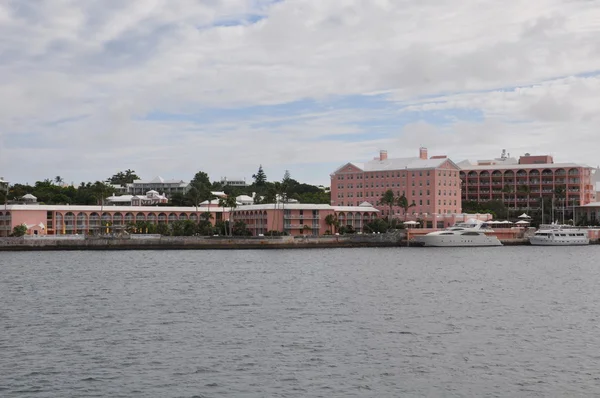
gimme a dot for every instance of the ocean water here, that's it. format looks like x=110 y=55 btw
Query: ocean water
x=457 y=322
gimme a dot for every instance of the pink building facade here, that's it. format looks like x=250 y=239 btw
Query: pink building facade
x=432 y=184
x=521 y=185
x=71 y=220
x=302 y=219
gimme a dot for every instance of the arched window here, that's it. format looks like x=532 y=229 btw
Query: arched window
x=140 y=217
x=94 y=219
x=118 y=219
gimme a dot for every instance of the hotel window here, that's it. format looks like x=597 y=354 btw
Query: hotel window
x=413 y=193
x=420 y=192
x=428 y=192
x=440 y=192
x=439 y=202
x=427 y=182
x=420 y=202
x=427 y=202
x=420 y=174
x=427 y=173
x=413 y=174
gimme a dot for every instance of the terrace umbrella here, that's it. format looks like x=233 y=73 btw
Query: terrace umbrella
x=524 y=215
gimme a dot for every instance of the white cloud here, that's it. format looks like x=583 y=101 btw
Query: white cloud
x=105 y=64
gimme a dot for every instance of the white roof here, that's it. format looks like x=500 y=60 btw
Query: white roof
x=592 y=204
x=123 y=209
x=121 y=198
x=306 y=206
x=414 y=163
x=210 y=202
x=245 y=198
x=522 y=166
x=355 y=208
x=28 y=196
x=160 y=180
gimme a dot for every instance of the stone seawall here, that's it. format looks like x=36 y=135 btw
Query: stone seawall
x=196 y=243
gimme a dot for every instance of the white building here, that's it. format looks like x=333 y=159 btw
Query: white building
x=159 y=184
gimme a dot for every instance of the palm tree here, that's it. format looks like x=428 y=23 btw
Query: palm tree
x=232 y=204
x=58 y=180
x=305 y=228
x=524 y=189
x=388 y=199
x=332 y=221
x=508 y=189
x=206 y=216
x=402 y=202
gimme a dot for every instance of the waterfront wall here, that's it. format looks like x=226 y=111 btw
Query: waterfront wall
x=157 y=242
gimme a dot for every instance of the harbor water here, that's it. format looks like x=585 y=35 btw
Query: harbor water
x=387 y=322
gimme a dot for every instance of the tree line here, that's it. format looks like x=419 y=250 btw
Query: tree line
x=54 y=191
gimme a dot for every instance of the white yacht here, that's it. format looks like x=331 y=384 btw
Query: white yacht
x=470 y=233
x=559 y=235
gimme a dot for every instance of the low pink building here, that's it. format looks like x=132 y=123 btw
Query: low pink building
x=67 y=220
x=430 y=184
x=302 y=219
x=70 y=220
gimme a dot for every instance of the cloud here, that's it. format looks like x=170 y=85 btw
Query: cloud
x=81 y=82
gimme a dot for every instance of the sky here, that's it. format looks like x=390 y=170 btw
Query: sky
x=172 y=87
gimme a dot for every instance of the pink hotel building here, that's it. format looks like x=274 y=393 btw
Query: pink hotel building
x=296 y=219
x=432 y=185
x=521 y=183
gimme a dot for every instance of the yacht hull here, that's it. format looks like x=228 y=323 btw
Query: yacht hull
x=548 y=242
x=457 y=241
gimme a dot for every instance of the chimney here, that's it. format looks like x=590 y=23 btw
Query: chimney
x=423 y=153
x=382 y=155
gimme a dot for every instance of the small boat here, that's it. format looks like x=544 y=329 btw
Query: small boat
x=467 y=234
x=559 y=235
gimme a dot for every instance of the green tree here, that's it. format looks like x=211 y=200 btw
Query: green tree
x=198 y=193
x=332 y=222
x=177 y=228
x=388 y=199
x=201 y=178
x=123 y=177
x=507 y=191
x=241 y=229
x=260 y=178
x=58 y=180
x=163 y=229
x=379 y=225
x=19 y=230
x=402 y=202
